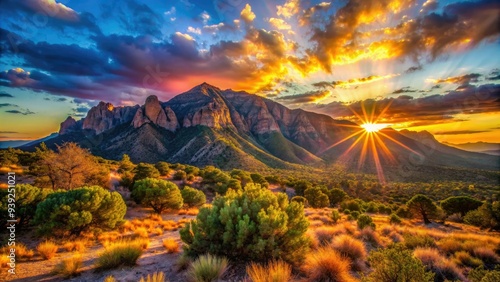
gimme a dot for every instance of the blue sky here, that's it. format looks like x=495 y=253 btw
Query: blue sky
x=434 y=64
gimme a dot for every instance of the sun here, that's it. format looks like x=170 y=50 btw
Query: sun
x=374 y=127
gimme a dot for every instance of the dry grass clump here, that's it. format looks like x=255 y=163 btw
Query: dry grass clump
x=23 y=252
x=450 y=245
x=208 y=268
x=396 y=237
x=109 y=278
x=440 y=265
x=127 y=226
x=143 y=242
x=77 y=245
x=465 y=259
x=107 y=237
x=325 y=234
x=121 y=253
x=413 y=241
x=327 y=265
x=313 y=240
x=141 y=232
x=350 y=228
x=4 y=260
x=171 y=245
x=351 y=248
x=47 y=249
x=193 y=211
x=369 y=235
x=157 y=231
x=68 y=267
x=169 y=225
x=155 y=217
x=155 y=277
x=274 y=271
x=487 y=255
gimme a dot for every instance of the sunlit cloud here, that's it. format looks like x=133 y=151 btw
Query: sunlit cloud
x=279 y=24
x=287 y=10
x=247 y=15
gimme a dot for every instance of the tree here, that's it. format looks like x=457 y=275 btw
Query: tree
x=80 y=209
x=69 y=167
x=180 y=175
x=193 y=197
x=460 y=204
x=253 y=224
x=421 y=205
x=336 y=196
x=144 y=170
x=316 y=198
x=259 y=179
x=8 y=157
x=486 y=216
x=125 y=164
x=243 y=176
x=157 y=194
x=301 y=186
x=163 y=168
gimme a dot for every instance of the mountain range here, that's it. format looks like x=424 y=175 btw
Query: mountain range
x=231 y=129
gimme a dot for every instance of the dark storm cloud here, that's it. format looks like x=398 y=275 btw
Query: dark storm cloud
x=5 y=95
x=404 y=90
x=22 y=112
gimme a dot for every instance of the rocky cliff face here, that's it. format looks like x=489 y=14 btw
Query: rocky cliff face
x=105 y=116
x=69 y=125
x=152 y=112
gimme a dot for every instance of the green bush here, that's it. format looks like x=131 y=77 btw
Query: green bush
x=157 y=194
x=365 y=220
x=336 y=196
x=218 y=181
x=460 y=204
x=27 y=199
x=394 y=219
x=144 y=170
x=180 y=175
x=193 y=197
x=252 y=225
x=163 y=168
x=300 y=199
x=403 y=212
x=259 y=179
x=335 y=216
x=352 y=205
x=316 y=198
x=354 y=214
x=397 y=264
x=80 y=209
x=486 y=216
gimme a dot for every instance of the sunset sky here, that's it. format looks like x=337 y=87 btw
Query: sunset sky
x=433 y=65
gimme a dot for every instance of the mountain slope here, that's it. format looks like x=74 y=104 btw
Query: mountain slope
x=229 y=129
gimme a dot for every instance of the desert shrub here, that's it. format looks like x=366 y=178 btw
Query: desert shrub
x=327 y=265
x=316 y=198
x=77 y=245
x=394 y=219
x=255 y=222
x=218 y=181
x=171 y=245
x=486 y=216
x=369 y=235
x=193 y=197
x=157 y=194
x=440 y=265
x=487 y=255
x=155 y=277
x=180 y=175
x=335 y=216
x=122 y=253
x=351 y=205
x=68 y=267
x=144 y=170
x=422 y=206
x=207 y=268
x=354 y=215
x=163 y=168
x=27 y=199
x=23 y=252
x=301 y=186
x=259 y=179
x=346 y=211
x=47 y=249
x=491 y=276
x=397 y=264
x=460 y=204
x=299 y=199
x=403 y=212
x=274 y=271
x=80 y=209
x=464 y=258
x=350 y=247
x=336 y=196
x=416 y=241
x=365 y=220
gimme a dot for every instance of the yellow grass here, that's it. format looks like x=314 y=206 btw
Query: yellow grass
x=77 y=245
x=350 y=247
x=171 y=245
x=47 y=249
x=327 y=265
x=157 y=231
x=274 y=271
x=155 y=277
x=23 y=252
x=68 y=267
x=143 y=242
x=141 y=232
x=439 y=264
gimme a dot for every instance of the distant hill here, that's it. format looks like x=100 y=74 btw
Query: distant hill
x=18 y=143
x=229 y=129
x=481 y=147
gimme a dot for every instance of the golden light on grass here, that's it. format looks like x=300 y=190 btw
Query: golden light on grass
x=171 y=245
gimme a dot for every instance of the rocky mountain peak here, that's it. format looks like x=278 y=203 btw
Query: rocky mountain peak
x=69 y=125
x=152 y=112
